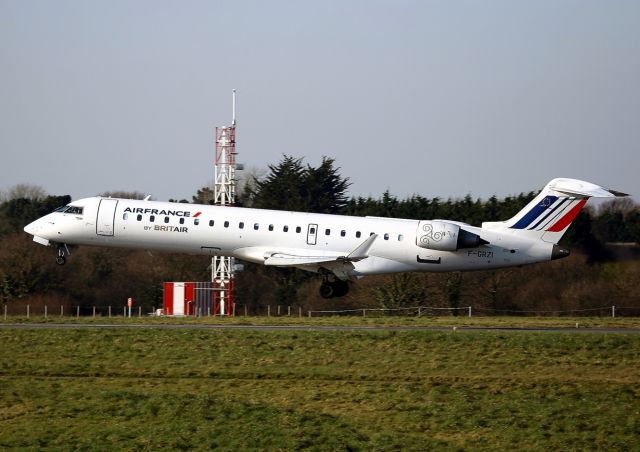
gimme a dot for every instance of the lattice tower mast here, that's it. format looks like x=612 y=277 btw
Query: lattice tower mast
x=224 y=194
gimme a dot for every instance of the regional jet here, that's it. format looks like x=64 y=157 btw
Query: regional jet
x=337 y=247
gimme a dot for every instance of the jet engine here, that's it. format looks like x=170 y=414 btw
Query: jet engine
x=445 y=236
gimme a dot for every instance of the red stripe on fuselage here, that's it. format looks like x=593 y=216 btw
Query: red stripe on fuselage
x=565 y=221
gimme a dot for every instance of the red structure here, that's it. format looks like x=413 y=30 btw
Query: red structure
x=191 y=298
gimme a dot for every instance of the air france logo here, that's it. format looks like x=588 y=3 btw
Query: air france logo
x=175 y=213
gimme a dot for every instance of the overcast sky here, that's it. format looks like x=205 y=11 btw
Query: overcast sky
x=436 y=98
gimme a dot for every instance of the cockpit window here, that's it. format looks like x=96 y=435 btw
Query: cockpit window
x=74 y=210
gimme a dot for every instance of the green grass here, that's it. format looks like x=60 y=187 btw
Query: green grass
x=370 y=320
x=96 y=389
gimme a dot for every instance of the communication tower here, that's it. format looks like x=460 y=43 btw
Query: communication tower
x=224 y=194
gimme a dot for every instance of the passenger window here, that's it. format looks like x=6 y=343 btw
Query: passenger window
x=211 y=223
x=152 y=218
x=400 y=237
x=125 y=216
x=386 y=236
x=166 y=219
x=358 y=234
x=298 y=229
x=327 y=232
x=139 y=217
x=241 y=225
x=226 y=224
x=285 y=229
x=196 y=221
x=371 y=233
x=343 y=233
x=271 y=227
x=181 y=220
x=256 y=226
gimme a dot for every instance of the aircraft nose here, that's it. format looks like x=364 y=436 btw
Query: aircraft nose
x=30 y=228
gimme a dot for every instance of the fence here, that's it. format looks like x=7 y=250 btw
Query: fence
x=468 y=311
x=288 y=311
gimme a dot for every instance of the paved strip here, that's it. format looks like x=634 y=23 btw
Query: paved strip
x=314 y=327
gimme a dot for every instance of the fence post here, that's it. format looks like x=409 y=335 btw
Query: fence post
x=139 y=311
x=124 y=311
x=45 y=311
x=269 y=310
x=94 y=311
x=299 y=311
x=5 y=312
x=364 y=313
x=613 y=311
x=77 y=311
x=309 y=313
x=245 y=310
x=469 y=311
x=27 y=311
x=61 y=311
x=289 y=311
x=109 y=311
x=419 y=311
x=278 y=310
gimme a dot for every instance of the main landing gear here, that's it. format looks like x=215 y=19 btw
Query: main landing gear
x=60 y=259
x=332 y=289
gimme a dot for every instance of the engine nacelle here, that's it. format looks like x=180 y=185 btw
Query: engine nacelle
x=444 y=236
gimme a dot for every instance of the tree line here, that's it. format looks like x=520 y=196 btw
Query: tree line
x=597 y=273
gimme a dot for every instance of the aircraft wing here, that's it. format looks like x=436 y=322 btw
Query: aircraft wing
x=302 y=259
x=290 y=260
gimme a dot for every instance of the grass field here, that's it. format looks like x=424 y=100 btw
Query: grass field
x=370 y=320
x=131 y=389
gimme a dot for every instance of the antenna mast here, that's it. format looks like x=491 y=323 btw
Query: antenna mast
x=224 y=194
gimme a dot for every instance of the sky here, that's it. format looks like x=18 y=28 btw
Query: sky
x=440 y=99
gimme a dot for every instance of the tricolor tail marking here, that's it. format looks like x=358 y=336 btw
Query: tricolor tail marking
x=552 y=214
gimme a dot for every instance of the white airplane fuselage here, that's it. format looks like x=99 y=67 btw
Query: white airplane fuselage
x=344 y=246
x=253 y=234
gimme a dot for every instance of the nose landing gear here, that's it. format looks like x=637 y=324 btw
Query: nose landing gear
x=60 y=259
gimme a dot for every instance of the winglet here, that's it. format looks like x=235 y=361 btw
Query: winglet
x=362 y=251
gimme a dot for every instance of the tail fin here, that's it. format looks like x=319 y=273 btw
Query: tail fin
x=548 y=216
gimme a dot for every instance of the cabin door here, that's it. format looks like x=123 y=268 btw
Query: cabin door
x=106 y=216
x=312 y=234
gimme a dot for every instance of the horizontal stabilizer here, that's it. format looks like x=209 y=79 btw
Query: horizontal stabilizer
x=581 y=188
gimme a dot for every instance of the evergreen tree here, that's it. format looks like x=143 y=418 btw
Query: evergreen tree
x=290 y=185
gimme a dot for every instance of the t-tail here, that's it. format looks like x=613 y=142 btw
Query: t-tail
x=548 y=216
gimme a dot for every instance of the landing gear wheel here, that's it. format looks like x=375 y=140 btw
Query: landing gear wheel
x=326 y=290
x=340 y=288
x=333 y=289
x=60 y=260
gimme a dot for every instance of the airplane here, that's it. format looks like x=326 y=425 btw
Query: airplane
x=336 y=246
